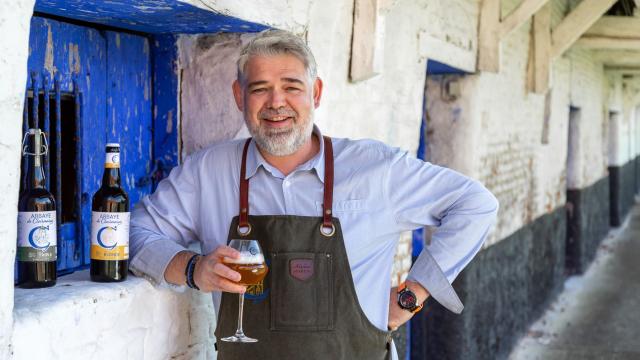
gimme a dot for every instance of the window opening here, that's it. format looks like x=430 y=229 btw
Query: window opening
x=57 y=114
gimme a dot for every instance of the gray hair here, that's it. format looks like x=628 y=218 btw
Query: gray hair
x=274 y=42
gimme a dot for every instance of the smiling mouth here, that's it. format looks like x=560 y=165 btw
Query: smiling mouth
x=277 y=119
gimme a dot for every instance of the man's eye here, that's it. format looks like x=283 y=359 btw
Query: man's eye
x=293 y=89
x=258 y=90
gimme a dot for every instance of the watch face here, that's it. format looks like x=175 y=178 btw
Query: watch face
x=407 y=300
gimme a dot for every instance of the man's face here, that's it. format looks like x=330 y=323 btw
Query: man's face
x=278 y=100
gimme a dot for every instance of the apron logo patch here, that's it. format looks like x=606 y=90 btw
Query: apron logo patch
x=301 y=269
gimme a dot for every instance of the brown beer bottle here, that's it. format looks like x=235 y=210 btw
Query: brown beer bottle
x=37 y=225
x=110 y=223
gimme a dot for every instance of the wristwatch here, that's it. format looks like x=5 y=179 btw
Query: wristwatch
x=407 y=299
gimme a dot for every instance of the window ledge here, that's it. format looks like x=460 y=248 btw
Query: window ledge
x=79 y=319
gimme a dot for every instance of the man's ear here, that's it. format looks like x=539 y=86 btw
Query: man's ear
x=237 y=95
x=317 y=92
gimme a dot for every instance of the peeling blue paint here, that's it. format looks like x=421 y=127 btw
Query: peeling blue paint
x=147 y=16
x=165 y=94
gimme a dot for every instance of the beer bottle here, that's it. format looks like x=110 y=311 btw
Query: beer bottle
x=37 y=225
x=110 y=223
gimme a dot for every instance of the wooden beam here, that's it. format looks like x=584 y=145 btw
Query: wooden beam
x=542 y=49
x=576 y=23
x=520 y=15
x=611 y=43
x=367 y=41
x=615 y=26
x=617 y=58
x=489 y=36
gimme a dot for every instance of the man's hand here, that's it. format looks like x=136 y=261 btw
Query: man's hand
x=398 y=315
x=211 y=274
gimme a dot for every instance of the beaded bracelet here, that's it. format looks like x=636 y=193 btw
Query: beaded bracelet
x=188 y=271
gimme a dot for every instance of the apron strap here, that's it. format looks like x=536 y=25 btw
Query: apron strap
x=243 y=222
x=327 y=228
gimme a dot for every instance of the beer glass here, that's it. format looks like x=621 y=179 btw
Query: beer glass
x=252 y=269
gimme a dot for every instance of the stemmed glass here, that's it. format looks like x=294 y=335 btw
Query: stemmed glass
x=253 y=269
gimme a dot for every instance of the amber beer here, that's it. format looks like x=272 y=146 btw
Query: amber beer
x=110 y=223
x=37 y=225
x=252 y=268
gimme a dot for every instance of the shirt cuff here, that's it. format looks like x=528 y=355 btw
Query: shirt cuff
x=152 y=261
x=428 y=273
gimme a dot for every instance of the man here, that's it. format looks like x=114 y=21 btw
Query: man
x=327 y=213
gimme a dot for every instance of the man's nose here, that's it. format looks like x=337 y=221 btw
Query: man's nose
x=277 y=99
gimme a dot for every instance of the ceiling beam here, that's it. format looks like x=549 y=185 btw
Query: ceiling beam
x=617 y=58
x=611 y=43
x=520 y=15
x=577 y=23
x=615 y=26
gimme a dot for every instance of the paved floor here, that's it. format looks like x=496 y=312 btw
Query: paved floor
x=597 y=316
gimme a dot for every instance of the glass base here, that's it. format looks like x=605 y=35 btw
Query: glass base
x=239 y=338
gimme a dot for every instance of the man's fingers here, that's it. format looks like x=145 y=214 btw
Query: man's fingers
x=226 y=251
x=225 y=285
x=224 y=271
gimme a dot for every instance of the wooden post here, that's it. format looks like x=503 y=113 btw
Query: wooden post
x=489 y=36
x=367 y=47
x=541 y=49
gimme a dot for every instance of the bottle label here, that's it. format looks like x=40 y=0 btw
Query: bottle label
x=110 y=235
x=37 y=236
x=112 y=160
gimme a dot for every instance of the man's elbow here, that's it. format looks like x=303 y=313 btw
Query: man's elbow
x=485 y=201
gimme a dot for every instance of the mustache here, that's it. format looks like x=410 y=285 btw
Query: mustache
x=268 y=113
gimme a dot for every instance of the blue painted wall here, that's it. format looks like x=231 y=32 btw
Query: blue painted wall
x=112 y=76
x=147 y=16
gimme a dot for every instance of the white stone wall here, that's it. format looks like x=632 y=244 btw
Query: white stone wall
x=79 y=319
x=494 y=130
x=14 y=25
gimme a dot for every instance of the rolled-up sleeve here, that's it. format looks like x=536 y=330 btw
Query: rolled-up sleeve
x=460 y=209
x=164 y=223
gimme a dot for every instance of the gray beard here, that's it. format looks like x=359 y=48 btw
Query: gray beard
x=282 y=142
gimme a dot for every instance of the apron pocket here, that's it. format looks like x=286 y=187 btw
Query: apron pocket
x=301 y=291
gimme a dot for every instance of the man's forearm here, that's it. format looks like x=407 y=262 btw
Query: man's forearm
x=174 y=274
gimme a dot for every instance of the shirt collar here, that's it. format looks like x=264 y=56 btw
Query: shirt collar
x=255 y=160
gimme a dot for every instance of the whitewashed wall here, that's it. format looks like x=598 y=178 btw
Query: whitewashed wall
x=495 y=129
x=14 y=25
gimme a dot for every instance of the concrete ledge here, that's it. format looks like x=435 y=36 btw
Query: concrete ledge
x=504 y=289
x=79 y=319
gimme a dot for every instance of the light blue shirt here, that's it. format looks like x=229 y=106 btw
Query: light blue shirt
x=379 y=192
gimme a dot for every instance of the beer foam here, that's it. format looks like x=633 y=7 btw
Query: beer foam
x=245 y=259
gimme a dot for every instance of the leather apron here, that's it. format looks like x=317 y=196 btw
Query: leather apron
x=306 y=307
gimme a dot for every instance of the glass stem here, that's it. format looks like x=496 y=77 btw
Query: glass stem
x=239 y=331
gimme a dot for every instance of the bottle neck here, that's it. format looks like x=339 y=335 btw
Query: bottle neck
x=35 y=174
x=111 y=177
